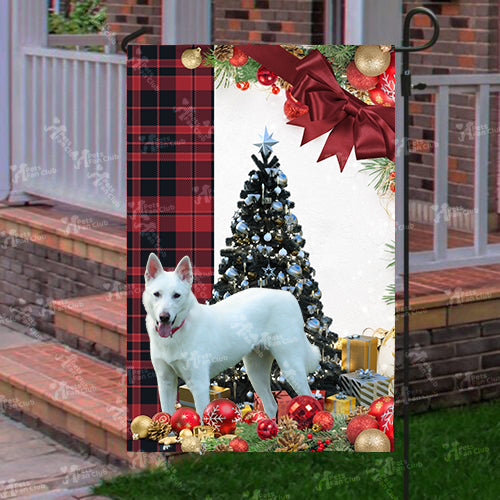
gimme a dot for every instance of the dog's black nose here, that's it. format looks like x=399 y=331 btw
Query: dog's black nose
x=164 y=317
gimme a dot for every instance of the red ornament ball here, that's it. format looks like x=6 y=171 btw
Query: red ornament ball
x=254 y=416
x=293 y=108
x=266 y=77
x=378 y=96
x=358 y=80
x=239 y=58
x=223 y=415
x=324 y=419
x=162 y=417
x=275 y=90
x=379 y=406
x=242 y=85
x=309 y=436
x=359 y=424
x=238 y=444
x=386 y=424
x=184 y=418
x=267 y=428
x=302 y=409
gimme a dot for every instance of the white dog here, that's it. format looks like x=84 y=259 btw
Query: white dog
x=196 y=342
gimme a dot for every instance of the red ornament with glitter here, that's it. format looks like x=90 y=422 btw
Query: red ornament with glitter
x=162 y=417
x=358 y=80
x=238 y=444
x=379 y=406
x=266 y=77
x=386 y=85
x=267 y=428
x=302 y=409
x=324 y=419
x=359 y=424
x=293 y=108
x=386 y=424
x=184 y=418
x=239 y=58
x=223 y=415
x=254 y=416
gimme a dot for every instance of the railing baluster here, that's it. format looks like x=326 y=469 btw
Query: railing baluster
x=121 y=163
x=441 y=174
x=66 y=178
x=481 y=164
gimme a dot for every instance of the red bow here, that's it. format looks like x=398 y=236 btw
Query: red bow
x=370 y=129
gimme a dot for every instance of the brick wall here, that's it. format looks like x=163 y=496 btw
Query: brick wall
x=468 y=43
x=31 y=276
x=451 y=366
x=268 y=21
x=127 y=16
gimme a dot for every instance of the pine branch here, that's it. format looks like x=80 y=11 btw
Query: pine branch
x=380 y=170
x=390 y=297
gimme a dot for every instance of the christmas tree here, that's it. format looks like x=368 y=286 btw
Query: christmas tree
x=266 y=250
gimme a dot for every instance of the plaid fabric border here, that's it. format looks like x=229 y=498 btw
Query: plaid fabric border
x=170 y=112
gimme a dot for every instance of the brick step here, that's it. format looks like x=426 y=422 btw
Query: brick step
x=95 y=324
x=70 y=393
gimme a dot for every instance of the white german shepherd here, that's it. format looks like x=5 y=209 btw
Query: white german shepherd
x=196 y=342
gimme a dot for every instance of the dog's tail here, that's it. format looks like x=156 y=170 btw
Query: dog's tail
x=313 y=357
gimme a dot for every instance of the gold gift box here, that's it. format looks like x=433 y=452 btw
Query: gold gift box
x=216 y=392
x=334 y=405
x=359 y=351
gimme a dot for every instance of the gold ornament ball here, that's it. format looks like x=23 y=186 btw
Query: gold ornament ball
x=192 y=444
x=370 y=60
x=372 y=440
x=139 y=427
x=191 y=58
x=185 y=433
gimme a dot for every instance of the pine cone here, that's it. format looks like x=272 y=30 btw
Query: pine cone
x=359 y=410
x=286 y=423
x=159 y=430
x=223 y=447
x=223 y=52
x=291 y=442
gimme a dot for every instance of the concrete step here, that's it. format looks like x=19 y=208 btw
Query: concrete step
x=69 y=392
x=95 y=324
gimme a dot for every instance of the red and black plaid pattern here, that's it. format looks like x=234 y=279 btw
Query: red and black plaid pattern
x=170 y=113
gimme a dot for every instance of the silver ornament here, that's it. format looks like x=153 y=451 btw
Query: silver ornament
x=313 y=325
x=282 y=252
x=277 y=190
x=294 y=270
x=255 y=238
x=311 y=309
x=268 y=237
x=301 y=254
x=277 y=205
x=298 y=239
x=231 y=273
x=281 y=379
x=299 y=287
x=245 y=284
x=242 y=227
x=281 y=277
x=226 y=295
x=310 y=379
x=282 y=180
x=249 y=395
x=317 y=294
x=257 y=218
x=250 y=257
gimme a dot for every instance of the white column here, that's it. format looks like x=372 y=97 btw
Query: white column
x=4 y=100
x=186 y=21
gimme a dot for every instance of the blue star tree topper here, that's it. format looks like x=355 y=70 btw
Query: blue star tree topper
x=266 y=146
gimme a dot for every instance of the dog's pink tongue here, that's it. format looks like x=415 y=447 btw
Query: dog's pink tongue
x=165 y=330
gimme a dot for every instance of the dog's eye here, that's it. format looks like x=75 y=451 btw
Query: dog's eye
x=176 y=295
x=157 y=294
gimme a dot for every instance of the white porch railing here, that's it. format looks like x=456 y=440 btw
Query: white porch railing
x=442 y=257
x=68 y=118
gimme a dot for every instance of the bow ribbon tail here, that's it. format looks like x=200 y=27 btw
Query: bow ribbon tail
x=374 y=134
x=339 y=142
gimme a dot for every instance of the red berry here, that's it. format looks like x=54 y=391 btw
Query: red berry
x=328 y=441
x=242 y=85
x=392 y=174
x=319 y=443
x=275 y=89
x=238 y=85
x=393 y=187
x=309 y=436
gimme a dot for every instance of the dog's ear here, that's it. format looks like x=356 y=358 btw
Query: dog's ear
x=153 y=267
x=184 y=270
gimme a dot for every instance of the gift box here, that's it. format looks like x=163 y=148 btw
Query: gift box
x=320 y=396
x=340 y=403
x=281 y=397
x=359 y=351
x=364 y=385
x=186 y=398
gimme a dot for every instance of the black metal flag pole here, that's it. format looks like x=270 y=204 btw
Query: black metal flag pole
x=406 y=87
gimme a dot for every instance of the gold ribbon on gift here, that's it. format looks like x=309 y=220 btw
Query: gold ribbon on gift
x=381 y=334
